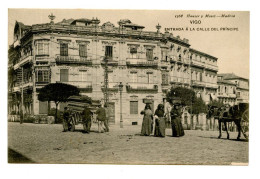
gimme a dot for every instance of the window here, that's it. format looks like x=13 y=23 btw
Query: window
x=165 y=78
x=149 y=54
x=164 y=55
x=133 y=107
x=133 y=77
x=64 y=49
x=42 y=47
x=42 y=76
x=64 y=75
x=83 y=50
x=133 y=52
x=200 y=76
x=83 y=75
x=109 y=51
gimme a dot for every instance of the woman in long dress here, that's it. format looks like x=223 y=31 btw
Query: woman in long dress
x=147 y=121
x=177 y=129
x=159 y=121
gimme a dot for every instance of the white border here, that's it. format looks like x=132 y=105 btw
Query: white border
x=129 y=171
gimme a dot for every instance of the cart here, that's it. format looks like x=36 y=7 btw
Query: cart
x=76 y=106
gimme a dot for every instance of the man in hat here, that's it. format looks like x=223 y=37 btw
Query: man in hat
x=101 y=117
x=66 y=119
x=86 y=119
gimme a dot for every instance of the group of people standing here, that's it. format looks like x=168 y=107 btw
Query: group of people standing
x=160 y=116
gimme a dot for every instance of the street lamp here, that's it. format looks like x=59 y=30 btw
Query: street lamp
x=121 y=89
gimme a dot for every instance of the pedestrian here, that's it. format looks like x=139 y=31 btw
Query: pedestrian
x=147 y=121
x=107 y=118
x=177 y=129
x=86 y=119
x=168 y=108
x=66 y=120
x=101 y=117
x=21 y=116
x=159 y=130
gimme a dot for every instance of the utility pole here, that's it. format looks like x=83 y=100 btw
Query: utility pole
x=106 y=93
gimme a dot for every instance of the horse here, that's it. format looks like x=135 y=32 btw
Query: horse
x=226 y=114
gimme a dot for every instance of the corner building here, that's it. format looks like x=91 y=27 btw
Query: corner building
x=72 y=51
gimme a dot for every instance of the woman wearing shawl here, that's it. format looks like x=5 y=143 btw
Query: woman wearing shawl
x=177 y=129
x=159 y=121
x=147 y=121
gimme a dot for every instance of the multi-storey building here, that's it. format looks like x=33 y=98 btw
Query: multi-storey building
x=204 y=75
x=242 y=86
x=226 y=91
x=74 y=52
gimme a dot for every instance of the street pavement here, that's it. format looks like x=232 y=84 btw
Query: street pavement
x=46 y=143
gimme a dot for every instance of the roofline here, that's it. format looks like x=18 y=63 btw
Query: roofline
x=230 y=78
x=202 y=53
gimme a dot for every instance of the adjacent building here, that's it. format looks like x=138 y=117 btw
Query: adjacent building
x=74 y=51
x=233 y=89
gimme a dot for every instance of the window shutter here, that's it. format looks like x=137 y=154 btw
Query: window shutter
x=133 y=107
x=64 y=75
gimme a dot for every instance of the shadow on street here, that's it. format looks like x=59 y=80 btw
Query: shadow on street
x=16 y=157
x=241 y=140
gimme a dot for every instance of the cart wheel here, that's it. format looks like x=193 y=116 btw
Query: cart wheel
x=245 y=124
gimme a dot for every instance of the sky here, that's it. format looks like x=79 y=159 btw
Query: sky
x=230 y=47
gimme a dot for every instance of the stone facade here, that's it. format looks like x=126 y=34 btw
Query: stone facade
x=73 y=51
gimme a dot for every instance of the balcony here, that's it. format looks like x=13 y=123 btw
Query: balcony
x=142 y=87
x=23 y=60
x=165 y=63
x=226 y=95
x=141 y=62
x=179 y=80
x=211 y=67
x=197 y=63
x=211 y=85
x=26 y=84
x=111 y=62
x=73 y=59
x=197 y=83
x=84 y=86
x=112 y=86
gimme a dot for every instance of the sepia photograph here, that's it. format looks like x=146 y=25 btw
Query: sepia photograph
x=128 y=87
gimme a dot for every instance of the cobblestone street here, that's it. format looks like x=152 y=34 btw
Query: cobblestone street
x=43 y=143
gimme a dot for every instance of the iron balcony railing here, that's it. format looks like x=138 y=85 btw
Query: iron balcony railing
x=197 y=83
x=141 y=62
x=79 y=84
x=23 y=60
x=175 y=79
x=211 y=67
x=141 y=87
x=72 y=59
x=111 y=86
